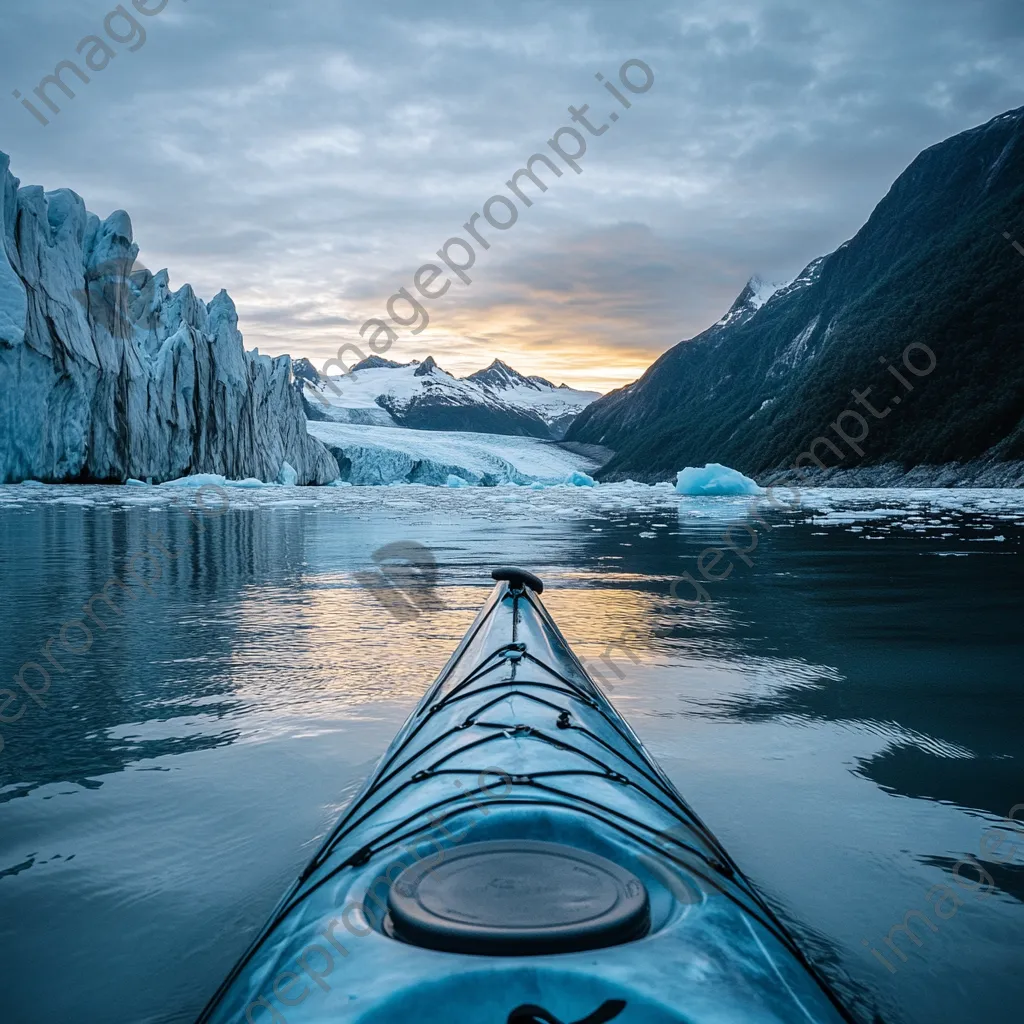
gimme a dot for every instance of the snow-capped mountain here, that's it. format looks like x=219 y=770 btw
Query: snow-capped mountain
x=107 y=374
x=496 y=400
x=756 y=294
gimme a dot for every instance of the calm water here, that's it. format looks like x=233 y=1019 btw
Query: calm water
x=847 y=713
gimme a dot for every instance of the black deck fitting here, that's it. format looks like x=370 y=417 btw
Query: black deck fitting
x=517 y=578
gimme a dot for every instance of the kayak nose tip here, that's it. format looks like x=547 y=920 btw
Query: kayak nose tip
x=518 y=578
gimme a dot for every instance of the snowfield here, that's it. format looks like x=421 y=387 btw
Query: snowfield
x=498 y=399
x=390 y=455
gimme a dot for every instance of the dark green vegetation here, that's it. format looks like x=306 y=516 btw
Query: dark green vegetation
x=932 y=266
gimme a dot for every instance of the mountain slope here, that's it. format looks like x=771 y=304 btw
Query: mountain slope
x=931 y=267
x=496 y=400
x=106 y=374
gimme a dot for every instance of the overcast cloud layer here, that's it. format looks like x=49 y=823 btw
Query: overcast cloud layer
x=309 y=156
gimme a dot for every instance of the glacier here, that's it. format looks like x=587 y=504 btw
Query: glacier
x=106 y=374
x=370 y=455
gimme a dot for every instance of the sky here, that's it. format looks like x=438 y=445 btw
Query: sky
x=310 y=155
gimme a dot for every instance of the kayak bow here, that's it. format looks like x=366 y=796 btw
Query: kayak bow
x=517 y=857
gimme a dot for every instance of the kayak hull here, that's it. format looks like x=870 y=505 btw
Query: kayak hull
x=514 y=743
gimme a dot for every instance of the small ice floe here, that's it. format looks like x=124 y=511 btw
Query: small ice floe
x=214 y=480
x=457 y=481
x=714 y=480
x=578 y=479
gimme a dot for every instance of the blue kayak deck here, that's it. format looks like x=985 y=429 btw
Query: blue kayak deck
x=512 y=743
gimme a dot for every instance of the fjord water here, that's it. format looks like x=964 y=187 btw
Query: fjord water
x=846 y=712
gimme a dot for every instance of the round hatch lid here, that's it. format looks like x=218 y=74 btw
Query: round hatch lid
x=518 y=899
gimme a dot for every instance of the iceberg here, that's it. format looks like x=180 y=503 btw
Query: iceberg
x=578 y=479
x=389 y=455
x=106 y=374
x=714 y=479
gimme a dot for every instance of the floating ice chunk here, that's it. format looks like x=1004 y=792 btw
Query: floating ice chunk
x=288 y=476
x=714 y=479
x=578 y=479
x=32 y=483
x=132 y=482
x=457 y=481
x=214 y=480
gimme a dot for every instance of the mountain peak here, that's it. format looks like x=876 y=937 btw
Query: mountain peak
x=376 y=363
x=759 y=291
x=755 y=294
x=427 y=366
x=502 y=376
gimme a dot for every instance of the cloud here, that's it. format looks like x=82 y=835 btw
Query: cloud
x=310 y=157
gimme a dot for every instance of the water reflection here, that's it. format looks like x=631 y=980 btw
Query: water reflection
x=856 y=686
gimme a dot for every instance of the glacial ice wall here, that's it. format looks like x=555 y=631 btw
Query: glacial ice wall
x=371 y=455
x=107 y=374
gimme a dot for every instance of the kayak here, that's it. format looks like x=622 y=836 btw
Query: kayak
x=517 y=857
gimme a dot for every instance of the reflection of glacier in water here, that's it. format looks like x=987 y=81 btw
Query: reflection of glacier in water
x=844 y=713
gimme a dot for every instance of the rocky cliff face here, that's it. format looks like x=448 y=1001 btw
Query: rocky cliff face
x=934 y=266
x=106 y=374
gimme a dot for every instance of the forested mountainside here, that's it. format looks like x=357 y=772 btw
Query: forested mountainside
x=934 y=266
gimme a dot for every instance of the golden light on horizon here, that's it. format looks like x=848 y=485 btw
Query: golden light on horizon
x=587 y=340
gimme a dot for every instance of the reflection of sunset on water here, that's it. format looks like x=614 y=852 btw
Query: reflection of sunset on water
x=238 y=707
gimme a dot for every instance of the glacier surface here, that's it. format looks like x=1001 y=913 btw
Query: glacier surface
x=388 y=455
x=106 y=374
